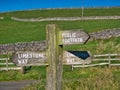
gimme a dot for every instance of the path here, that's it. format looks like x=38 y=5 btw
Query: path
x=16 y=85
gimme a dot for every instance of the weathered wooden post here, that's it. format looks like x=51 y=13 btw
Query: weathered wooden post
x=23 y=69
x=109 y=57
x=54 y=69
x=6 y=64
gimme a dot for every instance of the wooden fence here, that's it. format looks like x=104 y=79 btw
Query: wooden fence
x=5 y=64
x=106 y=59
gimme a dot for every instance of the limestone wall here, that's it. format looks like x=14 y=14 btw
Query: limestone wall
x=104 y=34
x=23 y=46
x=65 y=19
x=42 y=45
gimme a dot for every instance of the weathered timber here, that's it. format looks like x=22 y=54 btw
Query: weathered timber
x=54 y=69
x=25 y=58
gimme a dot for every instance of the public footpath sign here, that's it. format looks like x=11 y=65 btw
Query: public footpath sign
x=73 y=37
x=27 y=58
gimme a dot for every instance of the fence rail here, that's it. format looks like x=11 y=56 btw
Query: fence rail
x=6 y=65
x=102 y=57
x=106 y=55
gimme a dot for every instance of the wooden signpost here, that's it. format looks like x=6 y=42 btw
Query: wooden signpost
x=56 y=39
x=54 y=57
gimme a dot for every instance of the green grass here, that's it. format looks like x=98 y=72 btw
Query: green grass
x=32 y=73
x=63 y=13
x=14 y=31
x=102 y=80
x=92 y=78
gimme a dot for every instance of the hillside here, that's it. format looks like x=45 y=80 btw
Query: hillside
x=12 y=31
x=75 y=12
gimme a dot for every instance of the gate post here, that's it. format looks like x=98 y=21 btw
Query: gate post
x=54 y=69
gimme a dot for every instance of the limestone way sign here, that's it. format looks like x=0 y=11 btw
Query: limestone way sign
x=25 y=58
x=76 y=57
x=73 y=37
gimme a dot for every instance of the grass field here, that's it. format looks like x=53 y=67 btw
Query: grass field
x=63 y=13
x=14 y=31
x=93 y=78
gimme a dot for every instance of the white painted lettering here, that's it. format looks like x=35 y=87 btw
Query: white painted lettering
x=70 y=60
x=72 y=40
x=31 y=55
x=72 y=35
x=22 y=61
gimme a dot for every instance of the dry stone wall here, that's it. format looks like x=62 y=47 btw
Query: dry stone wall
x=104 y=34
x=42 y=45
x=65 y=19
x=23 y=46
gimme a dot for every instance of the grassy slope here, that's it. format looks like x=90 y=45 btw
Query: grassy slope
x=14 y=31
x=64 y=13
x=94 y=78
